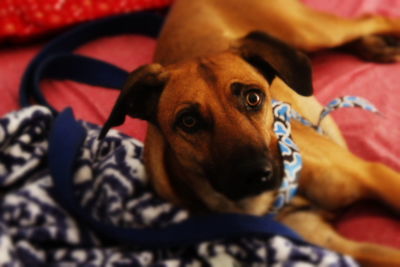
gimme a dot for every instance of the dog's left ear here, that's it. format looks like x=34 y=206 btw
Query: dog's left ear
x=139 y=96
x=274 y=57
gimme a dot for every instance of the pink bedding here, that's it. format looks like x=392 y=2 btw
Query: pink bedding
x=370 y=136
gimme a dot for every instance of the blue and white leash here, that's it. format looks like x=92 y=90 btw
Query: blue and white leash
x=347 y=102
x=291 y=157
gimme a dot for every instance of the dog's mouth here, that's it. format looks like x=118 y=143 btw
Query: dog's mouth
x=247 y=179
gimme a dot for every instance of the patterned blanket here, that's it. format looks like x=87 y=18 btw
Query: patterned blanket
x=36 y=230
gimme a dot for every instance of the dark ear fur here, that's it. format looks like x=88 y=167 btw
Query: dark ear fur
x=273 y=57
x=139 y=96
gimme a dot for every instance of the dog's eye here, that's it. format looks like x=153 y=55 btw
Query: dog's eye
x=253 y=98
x=189 y=122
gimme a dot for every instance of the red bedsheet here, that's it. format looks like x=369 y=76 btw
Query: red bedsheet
x=22 y=20
x=370 y=136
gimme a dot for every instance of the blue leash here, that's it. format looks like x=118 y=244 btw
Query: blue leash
x=57 y=62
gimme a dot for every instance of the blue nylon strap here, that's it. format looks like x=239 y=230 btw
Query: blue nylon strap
x=81 y=69
x=143 y=23
x=66 y=139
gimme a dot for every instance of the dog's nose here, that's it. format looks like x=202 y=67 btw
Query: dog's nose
x=258 y=179
x=249 y=179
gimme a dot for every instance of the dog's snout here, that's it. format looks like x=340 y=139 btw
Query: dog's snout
x=249 y=179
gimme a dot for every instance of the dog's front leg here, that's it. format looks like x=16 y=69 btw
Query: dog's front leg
x=314 y=227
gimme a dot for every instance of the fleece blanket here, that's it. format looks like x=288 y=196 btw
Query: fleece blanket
x=335 y=74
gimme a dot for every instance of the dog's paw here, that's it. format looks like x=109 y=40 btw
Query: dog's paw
x=376 y=48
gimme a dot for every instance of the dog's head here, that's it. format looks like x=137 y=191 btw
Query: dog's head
x=210 y=138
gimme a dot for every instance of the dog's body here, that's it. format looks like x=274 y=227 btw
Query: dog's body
x=210 y=143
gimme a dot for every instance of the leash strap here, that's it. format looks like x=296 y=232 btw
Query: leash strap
x=291 y=157
x=346 y=102
x=55 y=61
x=336 y=103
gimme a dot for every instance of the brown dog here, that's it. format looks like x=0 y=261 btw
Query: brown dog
x=210 y=143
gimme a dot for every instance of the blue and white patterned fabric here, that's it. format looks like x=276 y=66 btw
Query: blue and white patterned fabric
x=35 y=230
x=346 y=102
x=291 y=157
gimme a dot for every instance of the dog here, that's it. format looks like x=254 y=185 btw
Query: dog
x=210 y=144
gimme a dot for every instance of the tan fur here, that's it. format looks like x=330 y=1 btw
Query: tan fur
x=198 y=28
x=198 y=32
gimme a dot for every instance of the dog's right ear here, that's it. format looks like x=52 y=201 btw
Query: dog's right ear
x=139 y=96
x=273 y=57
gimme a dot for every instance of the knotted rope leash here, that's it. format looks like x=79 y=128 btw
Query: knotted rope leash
x=291 y=157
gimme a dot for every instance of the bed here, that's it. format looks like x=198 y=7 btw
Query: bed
x=335 y=74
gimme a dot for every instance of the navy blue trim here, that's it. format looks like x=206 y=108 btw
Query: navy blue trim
x=66 y=140
x=80 y=69
x=144 y=23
